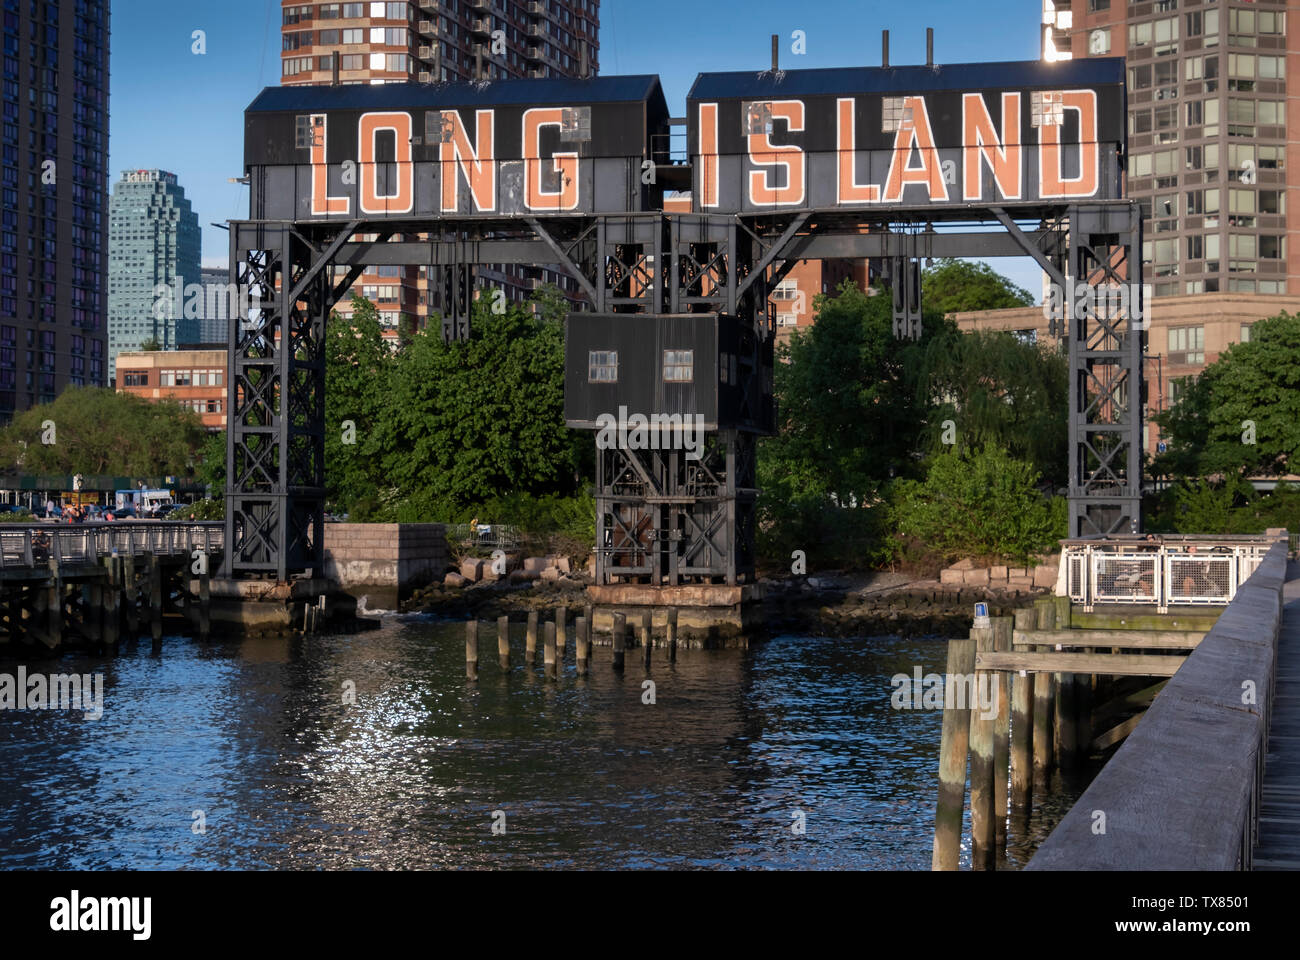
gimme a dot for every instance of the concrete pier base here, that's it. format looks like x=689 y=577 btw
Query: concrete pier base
x=707 y=614
x=270 y=606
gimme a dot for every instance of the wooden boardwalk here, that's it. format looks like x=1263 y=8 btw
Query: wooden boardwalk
x=1278 y=847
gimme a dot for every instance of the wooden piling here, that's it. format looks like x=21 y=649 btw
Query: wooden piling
x=953 y=744
x=1022 y=728
x=530 y=639
x=983 y=833
x=503 y=642
x=94 y=613
x=471 y=650
x=561 y=633
x=155 y=599
x=1065 y=744
x=548 y=652
x=205 y=605
x=583 y=645
x=672 y=634
x=130 y=596
x=619 y=638
x=54 y=628
x=112 y=621
x=1045 y=693
x=645 y=636
x=1001 y=732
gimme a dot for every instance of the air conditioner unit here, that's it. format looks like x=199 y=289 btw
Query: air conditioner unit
x=426 y=76
x=425 y=52
x=426 y=26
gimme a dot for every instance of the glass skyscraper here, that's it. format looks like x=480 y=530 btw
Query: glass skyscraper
x=53 y=198
x=155 y=251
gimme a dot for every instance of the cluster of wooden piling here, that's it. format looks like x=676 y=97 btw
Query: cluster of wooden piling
x=555 y=640
x=100 y=604
x=1042 y=722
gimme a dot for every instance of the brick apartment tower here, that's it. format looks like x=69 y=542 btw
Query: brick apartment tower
x=430 y=41
x=1208 y=155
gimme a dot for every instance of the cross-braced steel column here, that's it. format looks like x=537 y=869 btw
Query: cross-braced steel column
x=275 y=454
x=1106 y=322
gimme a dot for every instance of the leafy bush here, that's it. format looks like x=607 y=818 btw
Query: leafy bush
x=982 y=503
x=202 y=510
x=1224 y=507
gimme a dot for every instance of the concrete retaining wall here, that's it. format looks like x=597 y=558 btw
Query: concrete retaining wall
x=1182 y=792
x=384 y=561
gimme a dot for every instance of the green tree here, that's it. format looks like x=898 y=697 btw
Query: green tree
x=466 y=421
x=951 y=285
x=849 y=419
x=358 y=366
x=151 y=345
x=991 y=387
x=211 y=466
x=96 y=431
x=977 y=503
x=1241 y=417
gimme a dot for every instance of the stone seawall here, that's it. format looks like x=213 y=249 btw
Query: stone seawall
x=384 y=562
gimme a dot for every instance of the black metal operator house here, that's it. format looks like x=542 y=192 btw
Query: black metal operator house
x=1004 y=159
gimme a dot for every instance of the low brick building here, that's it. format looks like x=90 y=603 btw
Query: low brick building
x=1186 y=334
x=194 y=378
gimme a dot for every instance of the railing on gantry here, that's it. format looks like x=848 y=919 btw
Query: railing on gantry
x=1159 y=570
x=36 y=544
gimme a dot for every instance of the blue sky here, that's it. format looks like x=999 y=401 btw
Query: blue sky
x=183 y=112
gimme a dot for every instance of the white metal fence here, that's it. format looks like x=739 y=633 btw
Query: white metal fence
x=1199 y=571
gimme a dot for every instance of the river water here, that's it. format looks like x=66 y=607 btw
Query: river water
x=245 y=755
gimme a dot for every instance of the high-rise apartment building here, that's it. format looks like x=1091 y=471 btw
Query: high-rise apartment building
x=1208 y=154
x=53 y=199
x=1208 y=118
x=432 y=41
x=155 y=254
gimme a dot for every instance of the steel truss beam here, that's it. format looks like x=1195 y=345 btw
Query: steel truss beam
x=661 y=518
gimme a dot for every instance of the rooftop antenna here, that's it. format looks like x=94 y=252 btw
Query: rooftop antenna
x=884 y=48
x=776 y=53
x=334 y=69
x=929 y=46
x=584 y=66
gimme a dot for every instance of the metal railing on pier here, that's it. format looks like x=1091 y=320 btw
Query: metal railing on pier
x=32 y=545
x=1159 y=571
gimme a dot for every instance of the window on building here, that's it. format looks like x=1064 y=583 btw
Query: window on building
x=786 y=290
x=136 y=379
x=1270 y=247
x=602 y=366
x=679 y=366
x=352 y=11
x=1187 y=345
x=1272 y=201
x=354 y=36
x=1241 y=28
x=1245 y=332
x=1272 y=68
